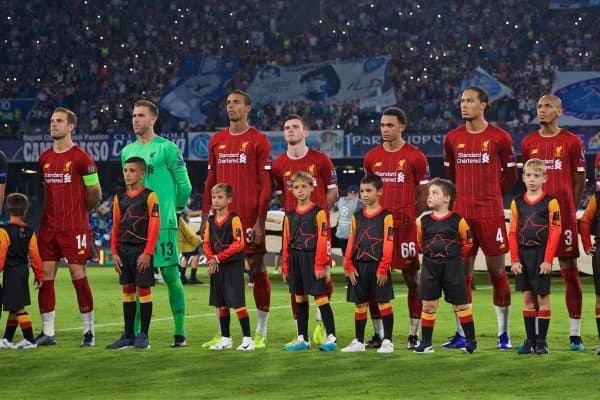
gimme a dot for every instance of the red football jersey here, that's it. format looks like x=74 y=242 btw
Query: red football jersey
x=402 y=171
x=315 y=163
x=563 y=156
x=239 y=160
x=64 y=191
x=475 y=162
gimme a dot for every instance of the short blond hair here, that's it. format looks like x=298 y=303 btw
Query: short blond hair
x=149 y=105
x=303 y=177
x=535 y=164
x=71 y=116
x=223 y=187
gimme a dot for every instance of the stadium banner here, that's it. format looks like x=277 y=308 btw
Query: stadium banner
x=330 y=142
x=431 y=144
x=120 y=140
x=580 y=95
x=480 y=77
x=339 y=81
x=202 y=81
x=15 y=109
x=97 y=145
x=572 y=4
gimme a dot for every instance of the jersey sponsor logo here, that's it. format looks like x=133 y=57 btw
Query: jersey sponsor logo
x=57 y=177
x=232 y=158
x=472 y=158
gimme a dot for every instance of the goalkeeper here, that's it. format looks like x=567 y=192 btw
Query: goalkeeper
x=166 y=175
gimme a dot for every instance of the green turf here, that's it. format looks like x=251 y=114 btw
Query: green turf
x=66 y=371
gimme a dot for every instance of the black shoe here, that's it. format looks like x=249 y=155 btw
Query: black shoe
x=541 y=348
x=412 y=342
x=528 y=348
x=196 y=281
x=43 y=340
x=124 y=342
x=88 y=340
x=374 y=343
x=179 y=341
x=184 y=280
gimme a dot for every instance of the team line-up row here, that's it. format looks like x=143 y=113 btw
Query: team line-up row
x=384 y=235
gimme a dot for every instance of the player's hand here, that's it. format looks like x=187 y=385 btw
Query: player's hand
x=285 y=278
x=38 y=284
x=591 y=250
x=545 y=268
x=320 y=274
x=258 y=234
x=352 y=276
x=143 y=261
x=213 y=266
x=516 y=268
x=118 y=264
x=381 y=279
x=202 y=228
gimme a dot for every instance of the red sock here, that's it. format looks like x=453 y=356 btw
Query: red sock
x=84 y=295
x=414 y=304
x=469 y=283
x=329 y=289
x=573 y=295
x=374 y=309
x=46 y=297
x=501 y=289
x=293 y=303
x=262 y=291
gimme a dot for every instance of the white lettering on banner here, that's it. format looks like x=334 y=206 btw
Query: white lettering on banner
x=366 y=140
x=33 y=150
x=99 y=151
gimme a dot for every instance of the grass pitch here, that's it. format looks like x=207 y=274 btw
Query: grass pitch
x=66 y=371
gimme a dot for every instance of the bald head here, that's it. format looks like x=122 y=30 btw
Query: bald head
x=550 y=98
x=549 y=108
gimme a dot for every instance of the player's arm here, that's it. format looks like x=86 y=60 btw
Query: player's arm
x=211 y=180
x=554 y=229
x=508 y=175
x=4 y=243
x=513 y=244
x=153 y=224
x=466 y=238
x=237 y=245
x=116 y=224
x=89 y=174
x=178 y=170
x=422 y=177
x=3 y=178
x=329 y=177
x=264 y=187
x=349 y=266
x=323 y=249
x=419 y=236
x=449 y=166
x=388 y=246
x=285 y=242
x=578 y=161
x=36 y=260
x=586 y=223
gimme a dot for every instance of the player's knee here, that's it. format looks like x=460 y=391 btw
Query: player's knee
x=460 y=307
x=429 y=307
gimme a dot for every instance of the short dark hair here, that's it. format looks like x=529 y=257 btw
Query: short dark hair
x=296 y=116
x=149 y=105
x=246 y=96
x=372 y=179
x=398 y=113
x=139 y=161
x=447 y=187
x=71 y=116
x=17 y=204
x=482 y=95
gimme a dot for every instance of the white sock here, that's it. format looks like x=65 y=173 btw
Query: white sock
x=318 y=314
x=48 y=323
x=218 y=321
x=377 y=326
x=88 y=322
x=575 y=327
x=414 y=326
x=459 y=327
x=261 y=325
x=502 y=316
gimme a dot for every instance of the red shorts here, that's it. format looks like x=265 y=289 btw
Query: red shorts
x=405 y=254
x=568 y=245
x=489 y=234
x=74 y=246
x=250 y=248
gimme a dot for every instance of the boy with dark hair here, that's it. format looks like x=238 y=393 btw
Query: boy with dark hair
x=444 y=237
x=18 y=243
x=534 y=234
x=136 y=224
x=306 y=250
x=367 y=264
x=224 y=249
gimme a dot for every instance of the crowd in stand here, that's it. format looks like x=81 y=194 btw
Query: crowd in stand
x=97 y=58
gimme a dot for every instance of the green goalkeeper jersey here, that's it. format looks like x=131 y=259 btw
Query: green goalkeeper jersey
x=166 y=174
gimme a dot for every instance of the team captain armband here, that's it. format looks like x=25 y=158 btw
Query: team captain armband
x=91 y=180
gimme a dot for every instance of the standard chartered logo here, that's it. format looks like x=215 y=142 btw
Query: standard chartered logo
x=485 y=158
x=400 y=177
x=67 y=178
